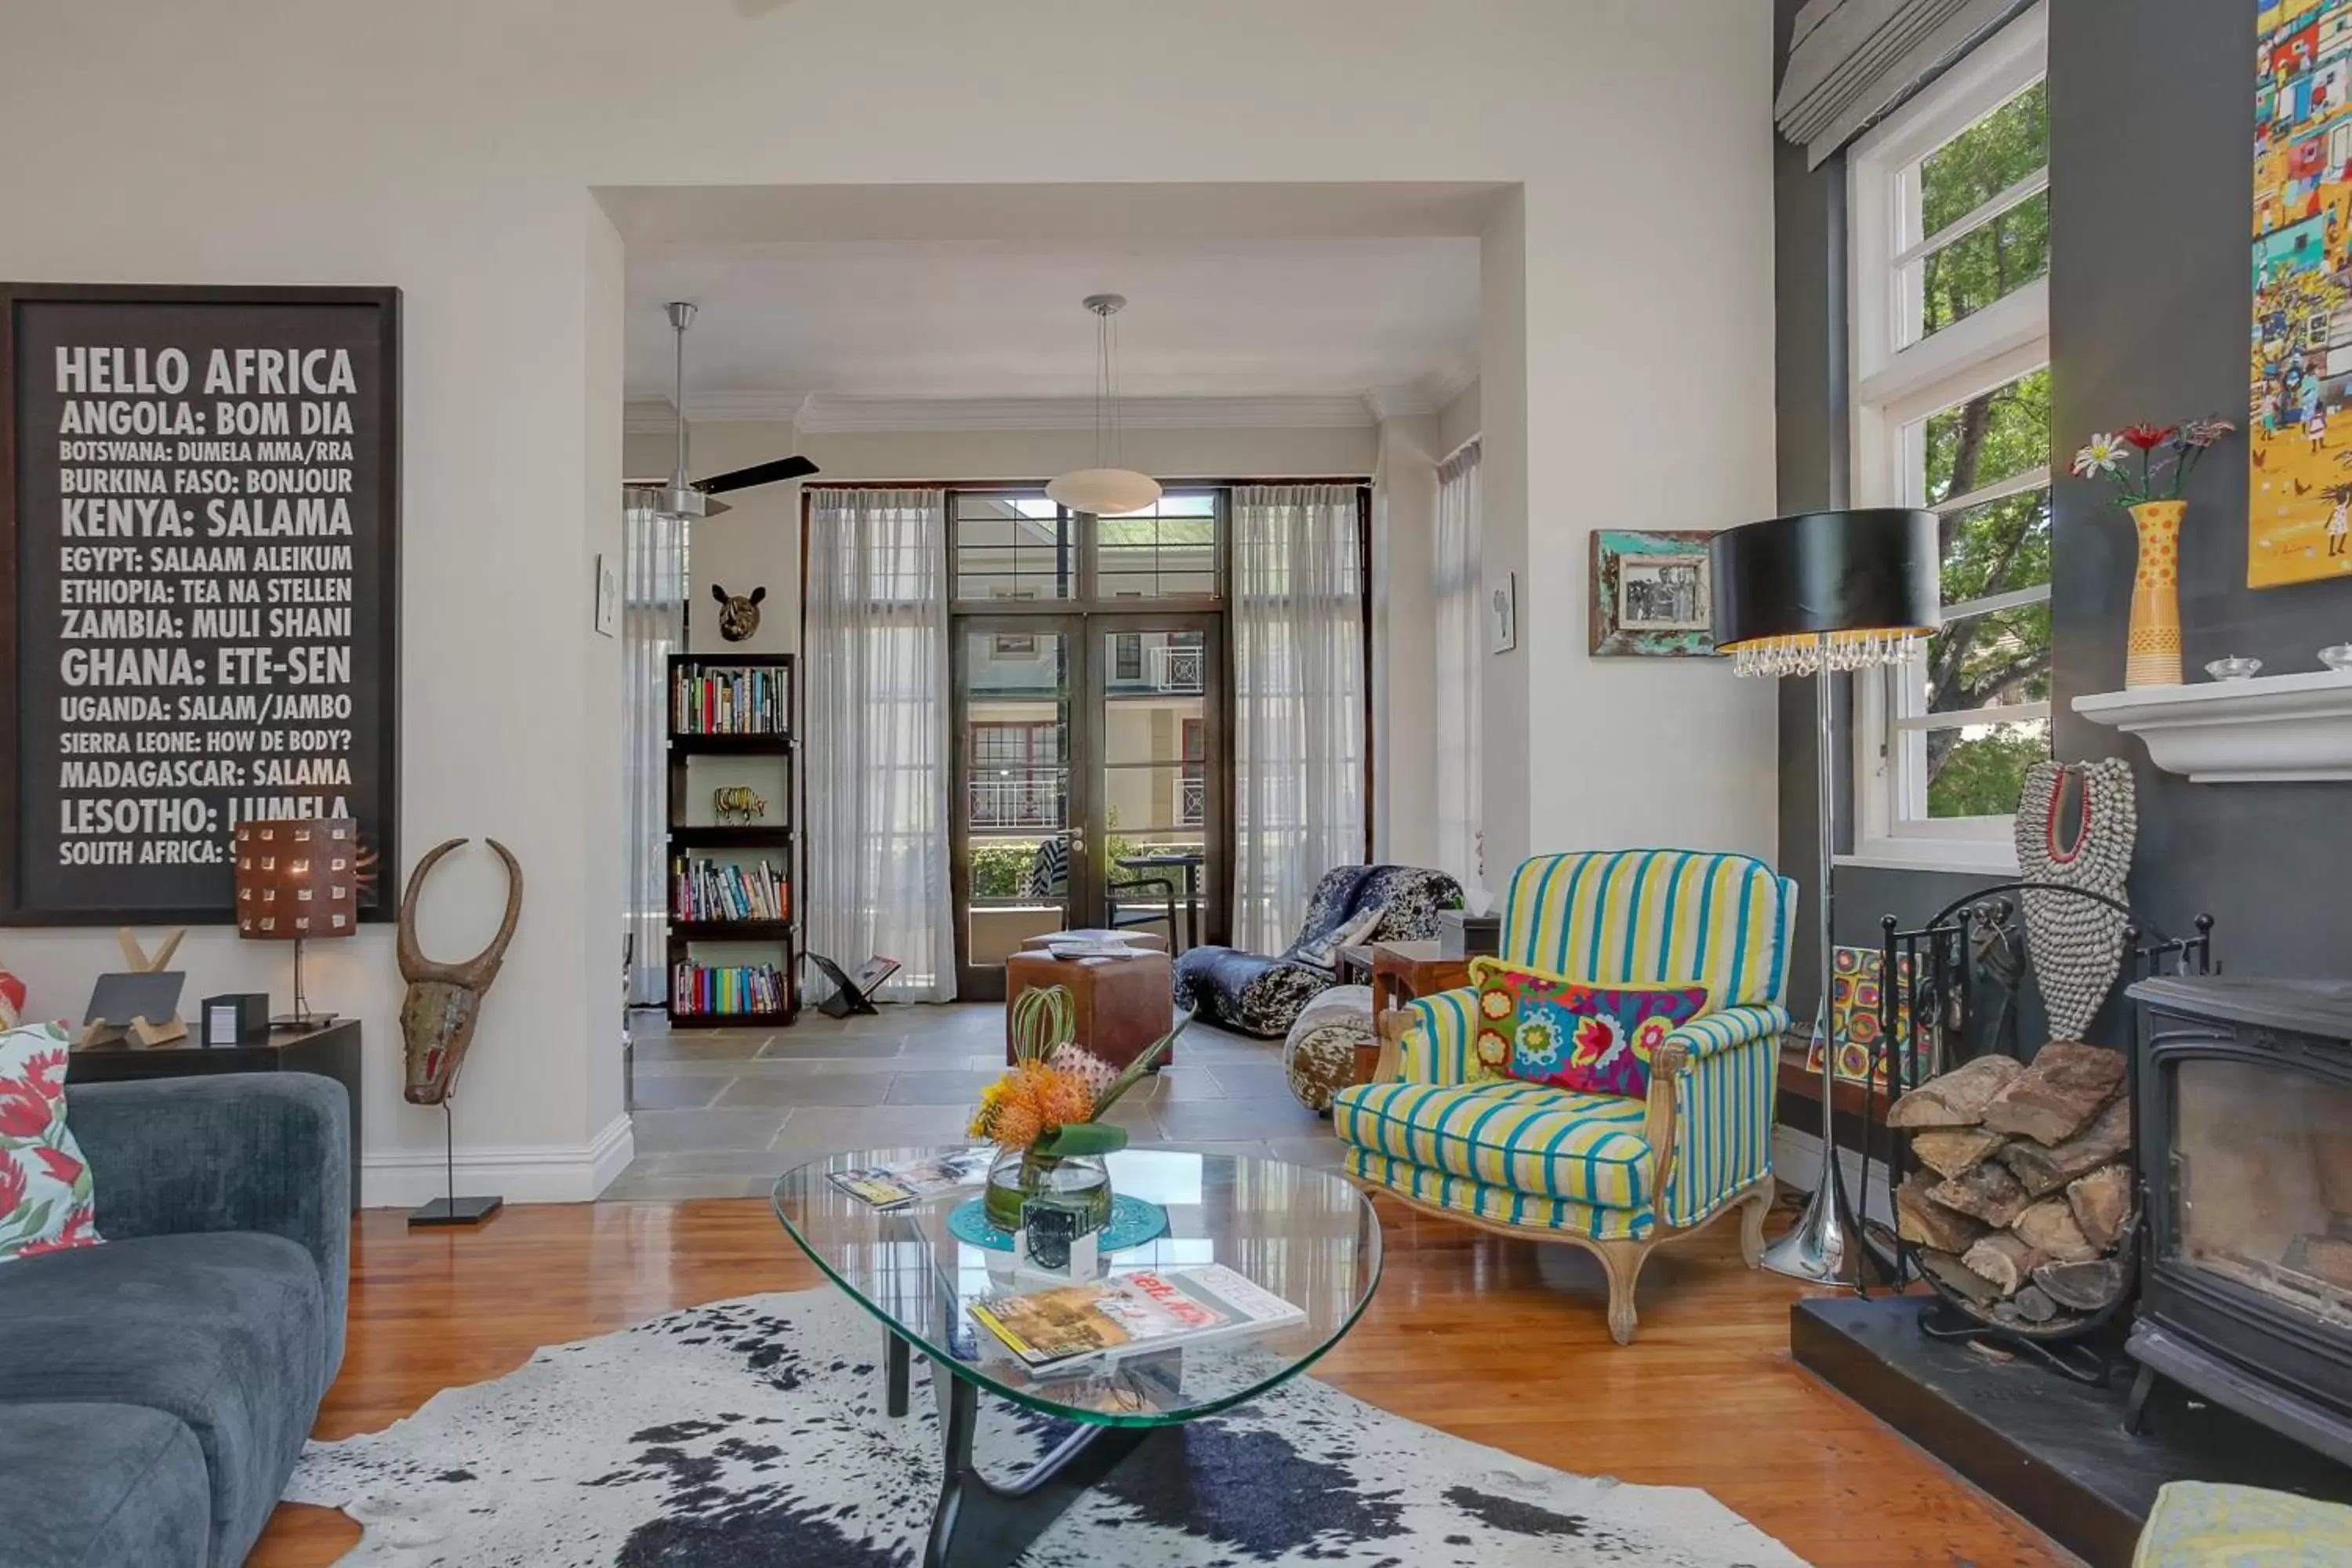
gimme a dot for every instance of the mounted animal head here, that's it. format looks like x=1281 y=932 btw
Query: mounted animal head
x=738 y=615
x=438 y=1015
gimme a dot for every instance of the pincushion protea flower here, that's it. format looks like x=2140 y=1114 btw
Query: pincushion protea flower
x=1058 y=1087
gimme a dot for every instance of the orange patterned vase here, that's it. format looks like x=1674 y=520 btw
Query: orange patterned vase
x=2154 y=652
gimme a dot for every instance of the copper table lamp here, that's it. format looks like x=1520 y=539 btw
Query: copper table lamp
x=298 y=880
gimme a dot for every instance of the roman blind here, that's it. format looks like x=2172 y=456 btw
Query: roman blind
x=1851 y=62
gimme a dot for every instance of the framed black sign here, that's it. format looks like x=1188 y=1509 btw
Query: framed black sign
x=199 y=588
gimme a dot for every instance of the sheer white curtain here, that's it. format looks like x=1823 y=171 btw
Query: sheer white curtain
x=653 y=626
x=1298 y=708
x=1461 y=663
x=874 y=754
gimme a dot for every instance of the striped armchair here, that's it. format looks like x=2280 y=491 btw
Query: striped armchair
x=1613 y=1176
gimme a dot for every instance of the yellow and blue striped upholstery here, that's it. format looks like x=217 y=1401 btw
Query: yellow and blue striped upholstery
x=1500 y=1204
x=1451 y=1133
x=1524 y=1137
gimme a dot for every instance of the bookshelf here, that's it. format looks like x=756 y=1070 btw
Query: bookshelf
x=734 y=925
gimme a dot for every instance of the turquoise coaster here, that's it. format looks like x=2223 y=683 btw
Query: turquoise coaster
x=1133 y=1222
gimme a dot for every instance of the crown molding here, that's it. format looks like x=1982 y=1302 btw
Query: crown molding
x=647 y=416
x=1408 y=401
x=824 y=414
x=1444 y=385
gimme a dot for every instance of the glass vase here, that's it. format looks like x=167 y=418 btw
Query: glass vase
x=1016 y=1176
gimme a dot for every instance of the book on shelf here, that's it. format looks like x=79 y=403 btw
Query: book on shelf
x=706 y=889
x=896 y=1186
x=730 y=988
x=753 y=699
x=1132 y=1314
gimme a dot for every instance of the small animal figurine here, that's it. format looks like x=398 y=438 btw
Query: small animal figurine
x=738 y=615
x=737 y=804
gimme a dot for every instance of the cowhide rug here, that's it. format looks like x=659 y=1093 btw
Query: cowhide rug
x=752 y=1432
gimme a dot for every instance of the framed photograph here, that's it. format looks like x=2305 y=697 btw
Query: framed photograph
x=1013 y=645
x=1651 y=594
x=1503 y=613
x=608 y=599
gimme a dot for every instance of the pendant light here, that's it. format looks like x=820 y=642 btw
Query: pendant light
x=1105 y=489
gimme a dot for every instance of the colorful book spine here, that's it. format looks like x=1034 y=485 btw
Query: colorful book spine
x=728 y=990
x=749 y=701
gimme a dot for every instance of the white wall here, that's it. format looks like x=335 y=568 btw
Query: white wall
x=451 y=147
x=1404 y=645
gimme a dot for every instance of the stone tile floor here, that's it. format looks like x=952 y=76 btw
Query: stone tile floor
x=722 y=1112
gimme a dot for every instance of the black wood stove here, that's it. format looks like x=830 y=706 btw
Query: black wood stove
x=2244 y=1111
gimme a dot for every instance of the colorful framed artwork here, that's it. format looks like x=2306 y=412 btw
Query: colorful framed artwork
x=1651 y=594
x=2299 y=432
x=1856 y=993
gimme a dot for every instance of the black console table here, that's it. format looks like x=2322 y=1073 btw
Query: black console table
x=331 y=1052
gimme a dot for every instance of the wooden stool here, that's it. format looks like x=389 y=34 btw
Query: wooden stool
x=1123 y=1005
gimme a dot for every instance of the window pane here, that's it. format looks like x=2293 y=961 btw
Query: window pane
x=1992 y=661
x=1978 y=770
x=1993 y=436
x=1170 y=552
x=1996 y=548
x=1985 y=160
x=1011 y=548
x=1987 y=263
x=1997 y=258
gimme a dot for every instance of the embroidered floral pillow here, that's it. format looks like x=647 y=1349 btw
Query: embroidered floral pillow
x=45 y=1193
x=1595 y=1039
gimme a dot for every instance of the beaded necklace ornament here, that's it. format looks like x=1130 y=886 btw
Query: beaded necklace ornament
x=2077 y=944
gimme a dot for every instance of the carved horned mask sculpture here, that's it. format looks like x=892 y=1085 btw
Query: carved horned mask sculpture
x=739 y=614
x=438 y=1015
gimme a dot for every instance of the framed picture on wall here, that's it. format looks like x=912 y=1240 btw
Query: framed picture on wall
x=608 y=597
x=200 y=527
x=1503 y=613
x=1651 y=594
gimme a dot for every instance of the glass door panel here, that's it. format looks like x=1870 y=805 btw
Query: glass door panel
x=1157 y=804
x=1018 y=869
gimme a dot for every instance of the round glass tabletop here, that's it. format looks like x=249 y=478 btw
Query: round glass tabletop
x=1309 y=1237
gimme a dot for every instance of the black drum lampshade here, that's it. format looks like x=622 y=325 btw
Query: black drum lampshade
x=1840 y=588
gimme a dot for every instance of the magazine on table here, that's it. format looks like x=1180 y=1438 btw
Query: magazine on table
x=1130 y=1314
x=1089 y=947
x=896 y=1186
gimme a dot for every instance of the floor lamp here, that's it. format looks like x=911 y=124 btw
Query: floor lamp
x=1820 y=594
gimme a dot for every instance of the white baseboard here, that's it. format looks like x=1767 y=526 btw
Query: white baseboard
x=1797 y=1161
x=525 y=1174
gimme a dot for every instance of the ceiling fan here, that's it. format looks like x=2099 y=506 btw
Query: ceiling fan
x=678 y=496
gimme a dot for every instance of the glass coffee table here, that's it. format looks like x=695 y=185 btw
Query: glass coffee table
x=1307 y=1236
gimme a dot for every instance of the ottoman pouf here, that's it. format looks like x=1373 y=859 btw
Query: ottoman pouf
x=1319 y=1055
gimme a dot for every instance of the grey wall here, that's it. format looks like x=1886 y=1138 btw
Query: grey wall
x=2152 y=111
x=2151 y=174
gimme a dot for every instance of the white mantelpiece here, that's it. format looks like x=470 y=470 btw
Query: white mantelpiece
x=2272 y=729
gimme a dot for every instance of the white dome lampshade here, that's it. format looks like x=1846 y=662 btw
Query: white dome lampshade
x=1106 y=492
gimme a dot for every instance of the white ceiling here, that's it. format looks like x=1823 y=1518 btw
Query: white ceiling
x=999 y=319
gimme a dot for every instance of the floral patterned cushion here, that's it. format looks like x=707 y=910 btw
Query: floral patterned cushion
x=1592 y=1039
x=44 y=1189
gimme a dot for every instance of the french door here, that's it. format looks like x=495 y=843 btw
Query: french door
x=1090 y=771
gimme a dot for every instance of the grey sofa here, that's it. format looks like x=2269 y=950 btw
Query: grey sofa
x=155 y=1389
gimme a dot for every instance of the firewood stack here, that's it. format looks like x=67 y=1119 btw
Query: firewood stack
x=2025 y=1197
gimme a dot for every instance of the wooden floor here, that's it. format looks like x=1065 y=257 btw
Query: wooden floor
x=1497 y=1341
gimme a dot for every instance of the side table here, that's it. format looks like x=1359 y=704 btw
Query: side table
x=331 y=1052
x=1121 y=1006
x=1400 y=973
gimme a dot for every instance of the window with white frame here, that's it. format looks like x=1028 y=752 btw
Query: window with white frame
x=1949 y=217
